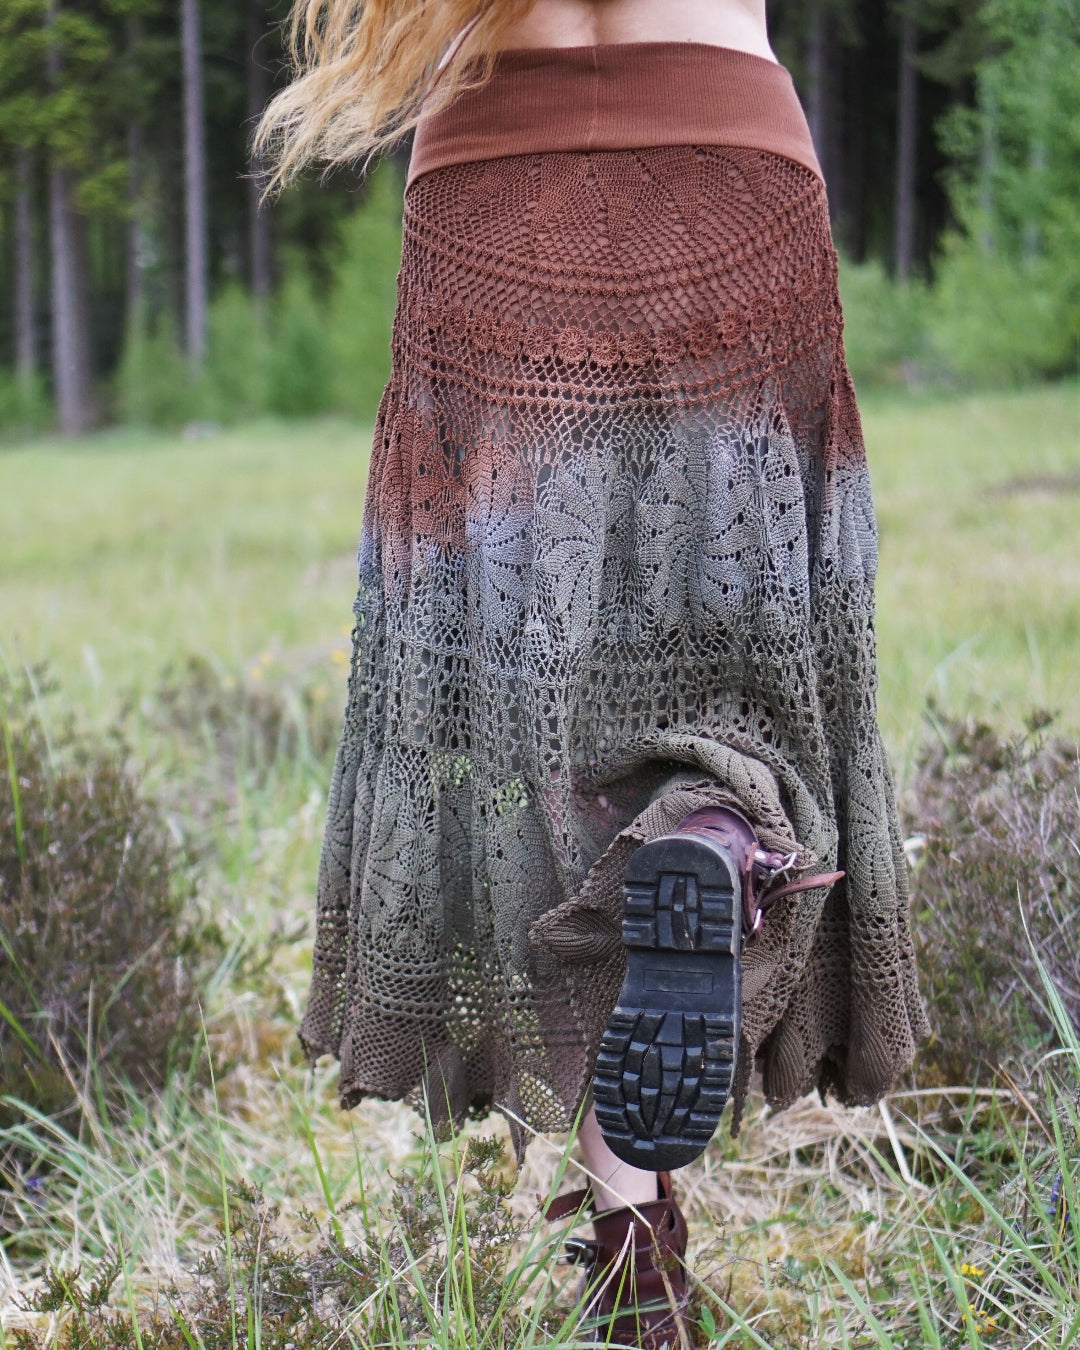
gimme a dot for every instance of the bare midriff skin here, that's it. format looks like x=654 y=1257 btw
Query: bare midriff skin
x=585 y=23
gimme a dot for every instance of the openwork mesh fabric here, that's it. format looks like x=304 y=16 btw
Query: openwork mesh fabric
x=617 y=560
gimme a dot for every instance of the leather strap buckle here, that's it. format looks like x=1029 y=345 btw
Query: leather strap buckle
x=761 y=889
x=578 y=1252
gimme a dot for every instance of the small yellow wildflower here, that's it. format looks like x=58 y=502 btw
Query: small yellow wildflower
x=981 y=1319
x=973 y=1271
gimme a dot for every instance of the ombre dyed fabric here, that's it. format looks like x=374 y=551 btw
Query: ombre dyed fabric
x=617 y=561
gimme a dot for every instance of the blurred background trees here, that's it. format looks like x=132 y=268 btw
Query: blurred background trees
x=144 y=281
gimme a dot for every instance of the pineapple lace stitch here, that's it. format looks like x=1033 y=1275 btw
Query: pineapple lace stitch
x=617 y=562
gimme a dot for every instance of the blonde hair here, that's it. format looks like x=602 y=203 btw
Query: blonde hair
x=364 y=70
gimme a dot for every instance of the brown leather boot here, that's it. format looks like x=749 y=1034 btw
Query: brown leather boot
x=635 y=1273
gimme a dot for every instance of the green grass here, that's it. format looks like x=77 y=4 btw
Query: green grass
x=125 y=552
x=979 y=592
x=123 y=555
x=128 y=551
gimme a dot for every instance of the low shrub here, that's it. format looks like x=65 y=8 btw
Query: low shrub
x=299 y=379
x=233 y=754
x=154 y=387
x=886 y=334
x=100 y=969
x=997 y=892
x=240 y=731
x=1000 y=320
x=25 y=407
x=432 y=1268
x=236 y=380
x=362 y=296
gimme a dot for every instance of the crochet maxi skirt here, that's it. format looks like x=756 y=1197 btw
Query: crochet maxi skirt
x=617 y=562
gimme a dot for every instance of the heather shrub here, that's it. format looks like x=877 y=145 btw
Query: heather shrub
x=439 y=1246
x=241 y=731
x=997 y=886
x=99 y=968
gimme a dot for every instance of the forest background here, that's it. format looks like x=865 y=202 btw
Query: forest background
x=146 y=283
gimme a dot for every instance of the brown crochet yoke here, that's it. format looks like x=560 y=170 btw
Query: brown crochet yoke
x=617 y=562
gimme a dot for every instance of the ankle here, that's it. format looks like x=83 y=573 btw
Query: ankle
x=629 y=1188
x=615 y=1184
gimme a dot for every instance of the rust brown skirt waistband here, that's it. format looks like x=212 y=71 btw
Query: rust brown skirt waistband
x=618 y=97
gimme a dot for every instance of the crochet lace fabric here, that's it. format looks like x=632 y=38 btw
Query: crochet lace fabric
x=617 y=560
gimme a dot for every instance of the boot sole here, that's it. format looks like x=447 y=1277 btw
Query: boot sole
x=666 y=1062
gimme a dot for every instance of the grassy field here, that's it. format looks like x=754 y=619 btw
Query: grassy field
x=124 y=556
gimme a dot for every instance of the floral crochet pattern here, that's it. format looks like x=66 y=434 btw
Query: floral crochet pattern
x=618 y=558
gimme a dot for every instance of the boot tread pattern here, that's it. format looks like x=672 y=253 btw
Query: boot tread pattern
x=666 y=1062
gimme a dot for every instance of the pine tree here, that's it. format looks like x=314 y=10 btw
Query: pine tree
x=904 y=204
x=197 y=264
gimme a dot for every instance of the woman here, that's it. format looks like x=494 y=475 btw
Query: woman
x=610 y=821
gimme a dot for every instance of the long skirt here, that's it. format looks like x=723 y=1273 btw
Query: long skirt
x=617 y=562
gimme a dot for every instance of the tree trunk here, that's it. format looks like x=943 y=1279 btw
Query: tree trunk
x=25 y=336
x=259 y=212
x=906 y=129
x=71 y=385
x=822 y=68
x=816 y=94
x=1031 y=236
x=988 y=163
x=136 y=243
x=69 y=346
x=197 y=271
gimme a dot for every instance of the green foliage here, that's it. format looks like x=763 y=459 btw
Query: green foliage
x=25 y=409
x=154 y=387
x=299 y=381
x=996 y=895
x=998 y=320
x=77 y=114
x=1008 y=287
x=99 y=968
x=305 y=354
x=362 y=296
x=237 y=367
x=885 y=326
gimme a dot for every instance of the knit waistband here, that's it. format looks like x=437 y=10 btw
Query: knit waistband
x=620 y=96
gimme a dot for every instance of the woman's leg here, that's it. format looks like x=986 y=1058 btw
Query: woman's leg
x=615 y=1184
